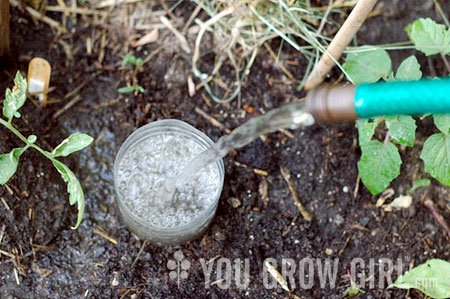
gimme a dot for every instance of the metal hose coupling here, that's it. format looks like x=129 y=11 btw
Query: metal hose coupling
x=329 y=104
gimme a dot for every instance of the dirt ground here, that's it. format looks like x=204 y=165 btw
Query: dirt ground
x=53 y=261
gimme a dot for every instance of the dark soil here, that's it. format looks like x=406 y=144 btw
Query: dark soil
x=53 y=261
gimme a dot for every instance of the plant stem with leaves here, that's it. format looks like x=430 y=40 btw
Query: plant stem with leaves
x=14 y=100
x=136 y=63
x=380 y=162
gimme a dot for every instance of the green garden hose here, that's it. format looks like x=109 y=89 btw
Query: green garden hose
x=330 y=104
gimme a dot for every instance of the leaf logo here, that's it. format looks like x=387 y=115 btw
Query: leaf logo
x=179 y=266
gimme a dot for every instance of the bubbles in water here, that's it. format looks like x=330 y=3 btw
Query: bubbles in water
x=301 y=119
x=146 y=166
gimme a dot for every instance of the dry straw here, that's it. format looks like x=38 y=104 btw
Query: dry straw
x=241 y=28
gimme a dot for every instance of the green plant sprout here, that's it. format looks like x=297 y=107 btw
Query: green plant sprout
x=131 y=88
x=380 y=161
x=131 y=60
x=136 y=63
x=14 y=100
x=352 y=291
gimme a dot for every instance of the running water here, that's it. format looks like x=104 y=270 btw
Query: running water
x=291 y=116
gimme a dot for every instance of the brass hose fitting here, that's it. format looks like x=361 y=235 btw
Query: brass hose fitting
x=329 y=104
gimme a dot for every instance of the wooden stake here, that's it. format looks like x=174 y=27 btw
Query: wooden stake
x=4 y=29
x=342 y=39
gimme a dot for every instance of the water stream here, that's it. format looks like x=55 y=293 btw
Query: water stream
x=290 y=116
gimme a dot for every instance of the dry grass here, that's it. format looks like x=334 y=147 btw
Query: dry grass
x=241 y=28
x=233 y=30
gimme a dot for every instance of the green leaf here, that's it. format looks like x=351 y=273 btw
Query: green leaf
x=429 y=37
x=139 y=62
x=352 y=291
x=74 y=189
x=409 y=70
x=140 y=89
x=419 y=184
x=15 y=98
x=8 y=164
x=436 y=157
x=379 y=165
x=74 y=143
x=402 y=129
x=442 y=122
x=368 y=66
x=431 y=278
x=128 y=59
x=366 y=129
x=132 y=88
x=126 y=89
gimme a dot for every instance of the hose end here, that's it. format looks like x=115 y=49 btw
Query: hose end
x=329 y=104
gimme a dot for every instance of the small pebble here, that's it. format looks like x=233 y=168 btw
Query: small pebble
x=329 y=251
x=338 y=219
x=234 y=202
x=115 y=281
x=364 y=221
x=218 y=236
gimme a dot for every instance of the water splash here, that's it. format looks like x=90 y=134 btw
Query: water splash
x=291 y=116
